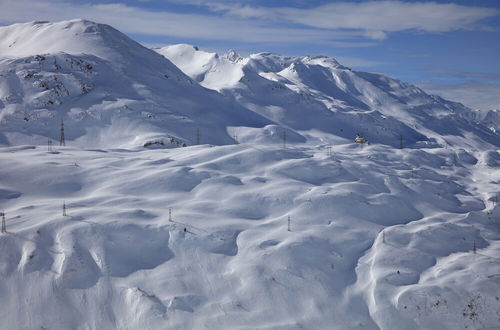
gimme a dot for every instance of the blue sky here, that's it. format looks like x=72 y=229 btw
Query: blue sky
x=451 y=48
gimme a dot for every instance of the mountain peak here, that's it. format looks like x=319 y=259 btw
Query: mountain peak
x=94 y=77
x=323 y=60
x=232 y=56
x=75 y=37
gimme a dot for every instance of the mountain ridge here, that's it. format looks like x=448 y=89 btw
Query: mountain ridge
x=301 y=94
x=119 y=75
x=285 y=89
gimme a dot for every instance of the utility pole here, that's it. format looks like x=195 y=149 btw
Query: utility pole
x=49 y=145
x=289 y=229
x=400 y=141
x=170 y=215
x=64 y=209
x=197 y=136
x=4 y=226
x=284 y=139
x=474 y=247
x=62 y=141
x=235 y=138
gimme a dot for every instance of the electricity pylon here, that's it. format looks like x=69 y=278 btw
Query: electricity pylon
x=62 y=141
x=4 y=226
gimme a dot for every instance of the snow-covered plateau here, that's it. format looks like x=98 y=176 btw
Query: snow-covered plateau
x=199 y=191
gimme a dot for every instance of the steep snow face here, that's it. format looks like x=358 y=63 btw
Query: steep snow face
x=317 y=93
x=379 y=238
x=492 y=120
x=109 y=90
x=208 y=69
x=188 y=57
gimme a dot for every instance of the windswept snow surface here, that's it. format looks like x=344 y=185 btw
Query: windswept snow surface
x=379 y=238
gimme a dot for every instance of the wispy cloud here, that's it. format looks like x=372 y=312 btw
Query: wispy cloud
x=480 y=90
x=375 y=18
x=474 y=94
x=340 y=24
x=137 y=20
x=466 y=74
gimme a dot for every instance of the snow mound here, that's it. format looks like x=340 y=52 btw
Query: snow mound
x=378 y=238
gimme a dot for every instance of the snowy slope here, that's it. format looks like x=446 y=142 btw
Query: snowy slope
x=379 y=238
x=491 y=119
x=211 y=70
x=311 y=93
x=109 y=90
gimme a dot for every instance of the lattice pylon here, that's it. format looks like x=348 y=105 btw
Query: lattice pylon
x=4 y=225
x=62 y=141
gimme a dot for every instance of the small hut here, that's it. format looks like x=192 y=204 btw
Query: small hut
x=360 y=139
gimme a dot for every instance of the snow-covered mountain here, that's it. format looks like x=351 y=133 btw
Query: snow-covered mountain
x=491 y=119
x=317 y=232
x=109 y=90
x=311 y=93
